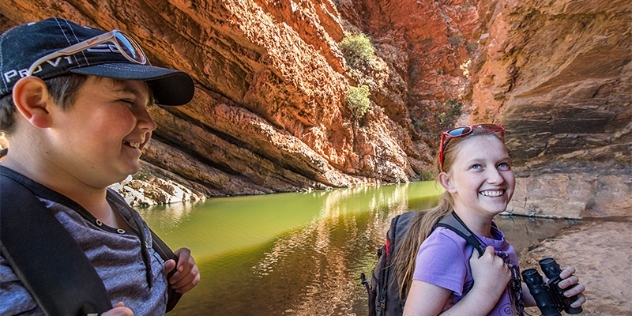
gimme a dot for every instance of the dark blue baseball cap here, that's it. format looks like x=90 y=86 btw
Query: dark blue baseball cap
x=22 y=45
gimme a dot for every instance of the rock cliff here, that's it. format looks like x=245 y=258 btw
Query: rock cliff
x=270 y=112
x=558 y=75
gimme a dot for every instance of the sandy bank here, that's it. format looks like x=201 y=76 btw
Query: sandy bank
x=601 y=251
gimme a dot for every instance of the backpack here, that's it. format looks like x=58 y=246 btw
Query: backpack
x=383 y=288
x=52 y=267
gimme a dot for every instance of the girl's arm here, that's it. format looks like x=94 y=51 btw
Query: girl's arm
x=425 y=299
x=491 y=276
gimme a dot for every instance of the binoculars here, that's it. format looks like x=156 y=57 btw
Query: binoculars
x=548 y=295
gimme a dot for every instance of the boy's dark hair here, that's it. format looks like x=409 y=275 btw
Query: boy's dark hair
x=62 y=89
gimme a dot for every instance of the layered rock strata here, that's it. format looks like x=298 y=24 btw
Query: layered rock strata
x=270 y=113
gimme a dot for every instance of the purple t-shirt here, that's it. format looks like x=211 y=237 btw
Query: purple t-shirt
x=443 y=260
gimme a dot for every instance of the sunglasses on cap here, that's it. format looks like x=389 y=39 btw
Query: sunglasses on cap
x=126 y=45
x=464 y=131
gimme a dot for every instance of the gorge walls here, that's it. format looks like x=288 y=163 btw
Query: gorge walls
x=270 y=111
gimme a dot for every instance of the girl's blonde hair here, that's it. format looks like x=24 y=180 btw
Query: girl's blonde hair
x=424 y=221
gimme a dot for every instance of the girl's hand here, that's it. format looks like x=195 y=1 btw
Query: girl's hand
x=490 y=272
x=571 y=282
x=187 y=275
x=119 y=309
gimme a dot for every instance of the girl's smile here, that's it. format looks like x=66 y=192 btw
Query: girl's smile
x=491 y=193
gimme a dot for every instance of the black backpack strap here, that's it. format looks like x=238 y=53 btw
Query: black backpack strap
x=165 y=253
x=455 y=224
x=41 y=252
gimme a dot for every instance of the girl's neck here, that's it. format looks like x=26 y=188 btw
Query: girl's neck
x=479 y=225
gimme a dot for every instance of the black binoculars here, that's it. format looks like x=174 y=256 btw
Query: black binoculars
x=548 y=295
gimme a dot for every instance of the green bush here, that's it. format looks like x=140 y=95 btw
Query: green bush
x=358 y=100
x=357 y=49
x=455 y=107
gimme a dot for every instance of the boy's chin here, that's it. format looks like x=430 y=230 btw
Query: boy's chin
x=127 y=174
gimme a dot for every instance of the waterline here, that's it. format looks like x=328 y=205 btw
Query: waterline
x=296 y=253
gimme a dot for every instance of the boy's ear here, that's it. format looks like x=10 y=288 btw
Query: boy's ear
x=30 y=96
x=446 y=182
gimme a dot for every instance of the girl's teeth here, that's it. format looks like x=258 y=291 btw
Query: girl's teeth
x=492 y=193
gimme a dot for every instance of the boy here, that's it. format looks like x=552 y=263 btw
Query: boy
x=73 y=105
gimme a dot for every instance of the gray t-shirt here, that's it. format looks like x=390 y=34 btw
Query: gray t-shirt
x=131 y=272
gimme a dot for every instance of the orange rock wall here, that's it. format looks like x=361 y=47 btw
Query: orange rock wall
x=270 y=114
x=558 y=74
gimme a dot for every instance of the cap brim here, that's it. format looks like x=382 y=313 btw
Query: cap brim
x=169 y=86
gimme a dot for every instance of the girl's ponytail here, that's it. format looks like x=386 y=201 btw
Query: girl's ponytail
x=420 y=228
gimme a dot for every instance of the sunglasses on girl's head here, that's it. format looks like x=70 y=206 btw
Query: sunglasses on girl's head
x=464 y=131
x=126 y=45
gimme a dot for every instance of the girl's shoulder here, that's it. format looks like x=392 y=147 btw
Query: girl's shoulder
x=447 y=242
x=443 y=260
x=444 y=234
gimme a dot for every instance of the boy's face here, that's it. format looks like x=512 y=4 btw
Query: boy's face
x=481 y=176
x=101 y=136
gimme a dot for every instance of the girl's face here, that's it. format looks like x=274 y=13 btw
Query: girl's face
x=480 y=179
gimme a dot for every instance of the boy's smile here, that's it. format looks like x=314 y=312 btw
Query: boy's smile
x=132 y=144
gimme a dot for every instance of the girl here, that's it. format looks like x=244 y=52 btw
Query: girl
x=438 y=274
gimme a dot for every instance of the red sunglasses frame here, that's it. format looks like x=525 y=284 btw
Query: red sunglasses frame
x=464 y=131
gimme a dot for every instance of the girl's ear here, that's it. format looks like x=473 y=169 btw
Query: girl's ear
x=446 y=182
x=30 y=96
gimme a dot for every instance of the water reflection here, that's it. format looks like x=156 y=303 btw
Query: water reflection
x=298 y=253
x=165 y=218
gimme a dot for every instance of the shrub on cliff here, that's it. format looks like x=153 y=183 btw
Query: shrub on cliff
x=357 y=49
x=358 y=100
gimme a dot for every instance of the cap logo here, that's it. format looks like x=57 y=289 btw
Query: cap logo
x=55 y=63
x=9 y=75
x=12 y=74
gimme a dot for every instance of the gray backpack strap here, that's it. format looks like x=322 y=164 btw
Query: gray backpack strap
x=455 y=224
x=42 y=252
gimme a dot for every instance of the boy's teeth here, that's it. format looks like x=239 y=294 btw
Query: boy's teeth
x=492 y=193
x=134 y=144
